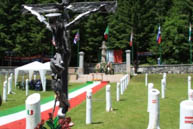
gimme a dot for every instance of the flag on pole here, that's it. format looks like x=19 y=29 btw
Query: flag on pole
x=131 y=40
x=159 y=35
x=190 y=33
x=106 y=33
x=76 y=38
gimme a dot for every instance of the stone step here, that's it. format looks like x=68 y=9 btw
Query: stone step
x=96 y=77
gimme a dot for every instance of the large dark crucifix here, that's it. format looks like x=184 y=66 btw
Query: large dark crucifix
x=57 y=19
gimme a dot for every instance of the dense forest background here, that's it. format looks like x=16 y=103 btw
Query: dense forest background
x=24 y=35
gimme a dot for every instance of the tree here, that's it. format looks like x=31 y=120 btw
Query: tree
x=175 y=45
x=25 y=36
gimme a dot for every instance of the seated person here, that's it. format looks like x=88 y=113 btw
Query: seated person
x=32 y=84
x=38 y=85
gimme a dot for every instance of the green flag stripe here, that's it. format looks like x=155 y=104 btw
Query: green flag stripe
x=107 y=31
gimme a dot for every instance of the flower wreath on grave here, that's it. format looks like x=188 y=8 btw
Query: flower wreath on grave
x=55 y=123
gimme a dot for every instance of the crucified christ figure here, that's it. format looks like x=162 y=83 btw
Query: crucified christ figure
x=57 y=19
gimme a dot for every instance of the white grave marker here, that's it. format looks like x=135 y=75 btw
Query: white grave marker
x=11 y=75
x=118 y=91
x=9 y=85
x=6 y=79
x=150 y=86
x=154 y=113
x=186 y=114
x=189 y=83
x=121 y=86
x=146 y=79
x=5 y=91
x=190 y=94
x=26 y=87
x=33 y=114
x=163 y=88
x=89 y=106
x=108 y=98
x=164 y=77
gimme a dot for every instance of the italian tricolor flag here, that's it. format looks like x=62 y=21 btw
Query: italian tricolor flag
x=106 y=33
x=30 y=112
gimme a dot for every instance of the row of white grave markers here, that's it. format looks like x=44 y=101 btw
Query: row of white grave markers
x=89 y=103
x=163 y=84
x=33 y=104
x=186 y=107
x=124 y=81
x=33 y=116
x=153 y=106
x=121 y=87
x=7 y=86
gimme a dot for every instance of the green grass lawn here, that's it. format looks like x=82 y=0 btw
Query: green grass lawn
x=131 y=111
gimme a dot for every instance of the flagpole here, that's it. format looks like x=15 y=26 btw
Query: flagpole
x=190 y=52
x=106 y=33
x=159 y=44
x=132 y=50
x=132 y=47
x=190 y=38
x=160 y=53
x=78 y=53
x=78 y=47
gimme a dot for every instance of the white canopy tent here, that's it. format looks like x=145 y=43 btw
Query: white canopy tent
x=34 y=66
x=47 y=66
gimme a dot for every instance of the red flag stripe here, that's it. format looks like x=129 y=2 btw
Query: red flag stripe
x=106 y=36
x=130 y=44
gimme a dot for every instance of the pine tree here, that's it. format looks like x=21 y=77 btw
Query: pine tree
x=175 y=45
